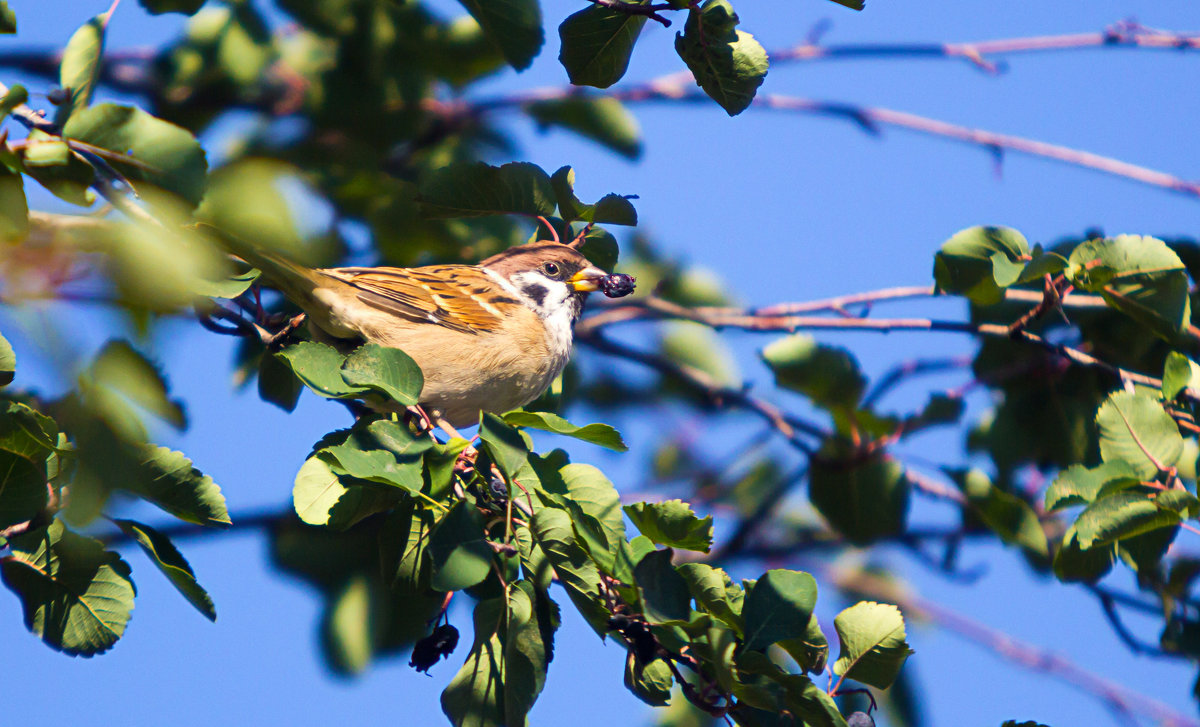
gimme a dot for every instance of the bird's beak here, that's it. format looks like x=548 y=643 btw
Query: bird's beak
x=587 y=280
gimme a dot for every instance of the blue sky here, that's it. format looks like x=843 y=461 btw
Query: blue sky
x=783 y=207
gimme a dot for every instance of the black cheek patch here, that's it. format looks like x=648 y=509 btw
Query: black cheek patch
x=536 y=293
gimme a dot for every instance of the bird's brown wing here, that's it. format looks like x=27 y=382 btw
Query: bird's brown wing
x=460 y=297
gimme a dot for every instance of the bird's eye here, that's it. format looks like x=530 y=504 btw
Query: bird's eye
x=550 y=269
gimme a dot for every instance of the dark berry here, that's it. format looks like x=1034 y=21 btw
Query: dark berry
x=617 y=285
x=433 y=647
x=860 y=719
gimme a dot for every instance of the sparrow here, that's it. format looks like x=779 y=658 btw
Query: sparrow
x=487 y=337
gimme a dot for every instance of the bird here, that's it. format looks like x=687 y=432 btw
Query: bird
x=487 y=337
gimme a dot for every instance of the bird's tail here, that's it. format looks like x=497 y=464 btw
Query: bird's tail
x=295 y=281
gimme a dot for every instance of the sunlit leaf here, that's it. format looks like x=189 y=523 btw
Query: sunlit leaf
x=171 y=562
x=1135 y=429
x=672 y=523
x=873 y=646
x=778 y=607
x=728 y=64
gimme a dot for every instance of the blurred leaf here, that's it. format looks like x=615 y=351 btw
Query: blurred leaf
x=347 y=625
x=672 y=523
x=599 y=434
x=778 y=607
x=147 y=148
x=604 y=120
x=171 y=562
x=1074 y=564
x=158 y=7
x=14 y=209
x=8 y=19
x=1139 y=276
x=515 y=26
x=459 y=549
x=8 y=362
x=475 y=189
x=728 y=64
x=862 y=497
x=664 y=592
x=17 y=94
x=1005 y=514
x=873 y=645
x=384 y=369
x=1079 y=485
x=1135 y=429
x=77 y=597
x=966 y=263
x=79 y=70
x=1179 y=373
x=826 y=374
x=698 y=346
x=122 y=369
x=597 y=43
x=251 y=203
x=49 y=161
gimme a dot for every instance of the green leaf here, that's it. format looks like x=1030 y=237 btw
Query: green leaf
x=665 y=596
x=79 y=71
x=1074 y=564
x=474 y=697
x=320 y=368
x=727 y=63
x=1179 y=373
x=1007 y=515
x=715 y=593
x=604 y=120
x=321 y=498
x=595 y=509
x=148 y=149
x=1135 y=429
x=852 y=4
x=475 y=189
x=514 y=26
x=14 y=209
x=599 y=434
x=810 y=652
x=700 y=347
x=862 y=498
x=528 y=648
x=384 y=369
x=24 y=448
x=778 y=607
x=1139 y=276
x=347 y=625
x=359 y=458
x=276 y=382
x=459 y=549
x=672 y=523
x=651 y=682
x=17 y=94
x=1079 y=485
x=575 y=570
x=611 y=209
x=8 y=362
x=1121 y=515
x=8 y=19
x=77 y=597
x=158 y=7
x=122 y=369
x=597 y=43
x=171 y=562
x=503 y=443
x=966 y=263
x=873 y=646
x=50 y=162
x=168 y=479
x=826 y=374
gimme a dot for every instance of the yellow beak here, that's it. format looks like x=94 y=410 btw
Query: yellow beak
x=587 y=280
